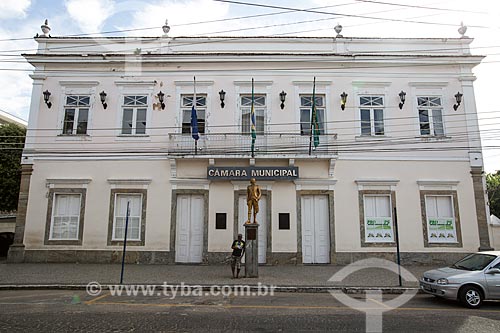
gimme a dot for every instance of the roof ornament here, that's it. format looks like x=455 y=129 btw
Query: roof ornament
x=462 y=30
x=45 y=29
x=338 y=30
x=166 y=28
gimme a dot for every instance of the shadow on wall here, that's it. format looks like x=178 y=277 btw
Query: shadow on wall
x=6 y=240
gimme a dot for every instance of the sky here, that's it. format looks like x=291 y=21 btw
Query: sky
x=20 y=20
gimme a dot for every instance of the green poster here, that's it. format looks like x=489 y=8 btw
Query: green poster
x=379 y=230
x=442 y=230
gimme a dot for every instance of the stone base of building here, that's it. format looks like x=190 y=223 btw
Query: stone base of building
x=97 y=257
x=407 y=258
x=16 y=254
x=217 y=258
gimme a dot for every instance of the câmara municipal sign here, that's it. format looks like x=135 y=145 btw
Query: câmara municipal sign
x=246 y=173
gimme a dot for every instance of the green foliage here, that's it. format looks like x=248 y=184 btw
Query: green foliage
x=11 y=144
x=493 y=187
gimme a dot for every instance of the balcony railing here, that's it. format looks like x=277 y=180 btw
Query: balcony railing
x=238 y=144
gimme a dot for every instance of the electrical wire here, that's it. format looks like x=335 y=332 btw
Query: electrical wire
x=284 y=24
x=412 y=118
x=340 y=14
x=421 y=7
x=179 y=25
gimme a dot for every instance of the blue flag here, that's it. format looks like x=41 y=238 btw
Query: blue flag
x=194 y=123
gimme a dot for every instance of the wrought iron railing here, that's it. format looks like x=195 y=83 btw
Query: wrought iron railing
x=239 y=144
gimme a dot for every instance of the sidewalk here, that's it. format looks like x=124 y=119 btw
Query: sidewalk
x=283 y=276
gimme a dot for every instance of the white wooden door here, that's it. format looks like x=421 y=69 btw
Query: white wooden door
x=189 y=229
x=315 y=229
x=261 y=219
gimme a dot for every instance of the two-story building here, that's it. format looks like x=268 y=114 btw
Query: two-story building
x=110 y=126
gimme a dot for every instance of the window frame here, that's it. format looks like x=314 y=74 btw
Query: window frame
x=116 y=216
x=53 y=192
x=70 y=88
x=135 y=108
x=142 y=223
x=372 y=110
x=428 y=220
x=431 y=110
x=425 y=219
x=363 y=220
x=76 y=117
x=188 y=107
x=322 y=124
x=263 y=108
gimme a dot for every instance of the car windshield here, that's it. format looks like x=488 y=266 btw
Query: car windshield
x=474 y=262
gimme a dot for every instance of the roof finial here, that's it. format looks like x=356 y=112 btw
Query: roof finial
x=45 y=28
x=462 y=30
x=338 y=30
x=166 y=28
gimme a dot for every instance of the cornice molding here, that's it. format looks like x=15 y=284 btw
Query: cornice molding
x=427 y=84
x=75 y=83
x=129 y=181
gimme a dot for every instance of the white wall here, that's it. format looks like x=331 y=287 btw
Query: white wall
x=347 y=223
x=98 y=200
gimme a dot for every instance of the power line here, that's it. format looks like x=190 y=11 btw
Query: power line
x=251 y=28
x=331 y=60
x=421 y=7
x=445 y=116
x=351 y=137
x=178 y=25
x=319 y=70
x=340 y=14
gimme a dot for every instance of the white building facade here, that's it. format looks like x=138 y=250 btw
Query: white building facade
x=382 y=159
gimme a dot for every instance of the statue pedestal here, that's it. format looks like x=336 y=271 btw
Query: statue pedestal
x=252 y=250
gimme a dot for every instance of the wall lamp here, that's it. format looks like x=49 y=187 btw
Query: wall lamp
x=103 y=95
x=458 y=98
x=46 y=96
x=402 y=98
x=161 y=95
x=222 y=96
x=282 y=99
x=343 y=100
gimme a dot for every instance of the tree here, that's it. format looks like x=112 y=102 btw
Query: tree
x=493 y=188
x=11 y=144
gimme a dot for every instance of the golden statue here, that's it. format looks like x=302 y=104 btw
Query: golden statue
x=253 y=197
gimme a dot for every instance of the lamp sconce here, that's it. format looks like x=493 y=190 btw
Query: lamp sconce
x=46 y=96
x=402 y=98
x=161 y=95
x=103 y=95
x=458 y=98
x=222 y=96
x=282 y=99
x=343 y=100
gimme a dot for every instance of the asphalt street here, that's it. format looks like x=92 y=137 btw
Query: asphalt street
x=67 y=310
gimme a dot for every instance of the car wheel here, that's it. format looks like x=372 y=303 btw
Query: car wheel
x=471 y=297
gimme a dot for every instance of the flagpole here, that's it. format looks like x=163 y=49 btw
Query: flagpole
x=125 y=242
x=194 y=105
x=252 y=123
x=312 y=116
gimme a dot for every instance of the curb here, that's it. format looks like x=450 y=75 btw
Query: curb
x=207 y=287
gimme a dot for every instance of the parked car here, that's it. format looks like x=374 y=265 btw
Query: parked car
x=470 y=280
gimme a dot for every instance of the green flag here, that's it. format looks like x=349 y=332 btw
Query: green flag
x=314 y=118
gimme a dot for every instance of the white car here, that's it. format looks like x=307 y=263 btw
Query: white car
x=471 y=280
